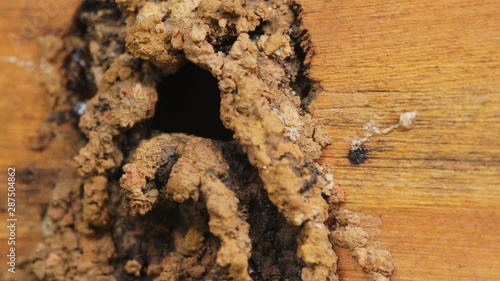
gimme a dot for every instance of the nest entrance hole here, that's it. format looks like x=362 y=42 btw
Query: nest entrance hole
x=189 y=102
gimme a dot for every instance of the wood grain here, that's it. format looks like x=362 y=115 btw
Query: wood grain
x=433 y=190
x=23 y=110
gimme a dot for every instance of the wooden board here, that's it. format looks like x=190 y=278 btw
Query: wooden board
x=433 y=192
x=436 y=188
x=23 y=110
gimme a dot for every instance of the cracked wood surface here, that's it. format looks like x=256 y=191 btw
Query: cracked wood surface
x=432 y=192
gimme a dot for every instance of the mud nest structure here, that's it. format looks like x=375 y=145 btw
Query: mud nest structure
x=202 y=159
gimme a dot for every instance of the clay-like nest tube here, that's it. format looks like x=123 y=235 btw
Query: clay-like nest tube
x=172 y=206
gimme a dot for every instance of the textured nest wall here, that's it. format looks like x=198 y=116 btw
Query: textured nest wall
x=172 y=206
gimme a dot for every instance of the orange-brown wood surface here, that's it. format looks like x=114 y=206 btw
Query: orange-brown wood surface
x=23 y=110
x=432 y=193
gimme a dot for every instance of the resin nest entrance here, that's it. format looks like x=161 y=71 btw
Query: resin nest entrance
x=189 y=102
x=210 y=98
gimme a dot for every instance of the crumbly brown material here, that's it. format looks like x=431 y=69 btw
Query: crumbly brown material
x=95 y=201
x=187 y=207
x=197 y=168
x=125 y=98
x=133 y=267
x=257 y=103
x=374 y=259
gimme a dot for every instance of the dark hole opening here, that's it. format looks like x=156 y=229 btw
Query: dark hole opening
x=189 y=102
x=303 y=85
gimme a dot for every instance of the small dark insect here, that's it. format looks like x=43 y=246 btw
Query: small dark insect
x=79 y=108
x=79 y=79
x=357 y=155
x=75 y=66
